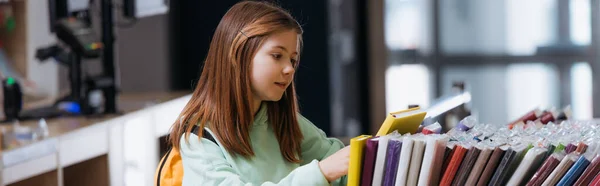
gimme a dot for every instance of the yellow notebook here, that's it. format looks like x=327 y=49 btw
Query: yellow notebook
x=405 y=121
x=357 y=146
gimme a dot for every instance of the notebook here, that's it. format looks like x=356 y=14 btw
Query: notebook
x=379 y=169
x=482 y=159
x=512 y=158
x=439 y=154
x=531 y=161
x=549 y=151
x=454 y=164
x=596 y=180
x=405 y=121
x=435 y=128
x=404 y=162
x=449 y=151
x=466 y=166
x=589 y=173
x=391 y=164
x=581 y=148
x=369 y=161
x=570 y=148
x=491 y=166
x=433 y=158
x=357 y=145
x=415 y=162
x=575 y=171
x=427 y=160
x=547 y=167
x=560 y=170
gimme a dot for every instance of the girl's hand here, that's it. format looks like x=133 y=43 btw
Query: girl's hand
x=336 y=165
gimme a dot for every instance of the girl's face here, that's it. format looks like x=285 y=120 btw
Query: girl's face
x=273 y=66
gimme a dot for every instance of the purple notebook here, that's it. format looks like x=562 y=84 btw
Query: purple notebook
x=570 y=148
x=369 y=161
x=391 y=162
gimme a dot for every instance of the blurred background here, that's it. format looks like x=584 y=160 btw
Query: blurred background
x=361 y=59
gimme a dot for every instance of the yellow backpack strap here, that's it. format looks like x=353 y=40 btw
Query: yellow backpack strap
x=161 y=166
x=205 y=134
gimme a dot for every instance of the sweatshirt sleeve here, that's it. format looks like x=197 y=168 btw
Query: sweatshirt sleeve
x=205 y=164
x=317 y=146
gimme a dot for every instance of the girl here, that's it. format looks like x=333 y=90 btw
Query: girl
x=245 y=99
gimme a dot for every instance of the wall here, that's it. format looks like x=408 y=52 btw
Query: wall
x=142 y=55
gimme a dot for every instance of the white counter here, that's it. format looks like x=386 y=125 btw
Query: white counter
x=130 y=141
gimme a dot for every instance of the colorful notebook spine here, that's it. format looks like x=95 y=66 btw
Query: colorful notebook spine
x=521 y=152
x=570 y=148
x=391 y=165
x=527 y=167
x=435 y=128
x=574 y=172
x=415 y=162
x=436 y=172
x=549 y=150
x=454 y=164
x=404 y=163
x=482 y=159
x=560 y=147
x=581 y=148
x=544 y=171
x=432 y=160
x=589 y=173
x=560 y=170
x=596 y=181
x=478 y=157
x=369 y=161
x=491 y=166
x=357 y=146
x=426 y=164
x=449 y=151
x=502 y=169
x=466 y=166
x=379 y=167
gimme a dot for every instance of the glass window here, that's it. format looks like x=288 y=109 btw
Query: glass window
x=501 y=93
x=580 y=22
x=513 y=27
x=581 y=91
x=407 y=24
x=530 y=86
x=406 y=85
x=486 y=84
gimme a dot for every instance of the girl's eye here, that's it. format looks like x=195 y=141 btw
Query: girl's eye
x=276 y=56
x=293 y=61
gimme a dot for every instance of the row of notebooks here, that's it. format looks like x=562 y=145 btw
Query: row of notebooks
x=432 y=160
x=480 y=156
x=397 y=159
x=396 y=123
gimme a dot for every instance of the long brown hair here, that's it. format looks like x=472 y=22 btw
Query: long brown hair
x=223 y=96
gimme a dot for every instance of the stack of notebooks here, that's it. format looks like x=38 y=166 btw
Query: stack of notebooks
x=402 y=153
x=369 y=154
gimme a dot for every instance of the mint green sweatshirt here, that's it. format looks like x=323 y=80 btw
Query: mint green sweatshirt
x=206 y=163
